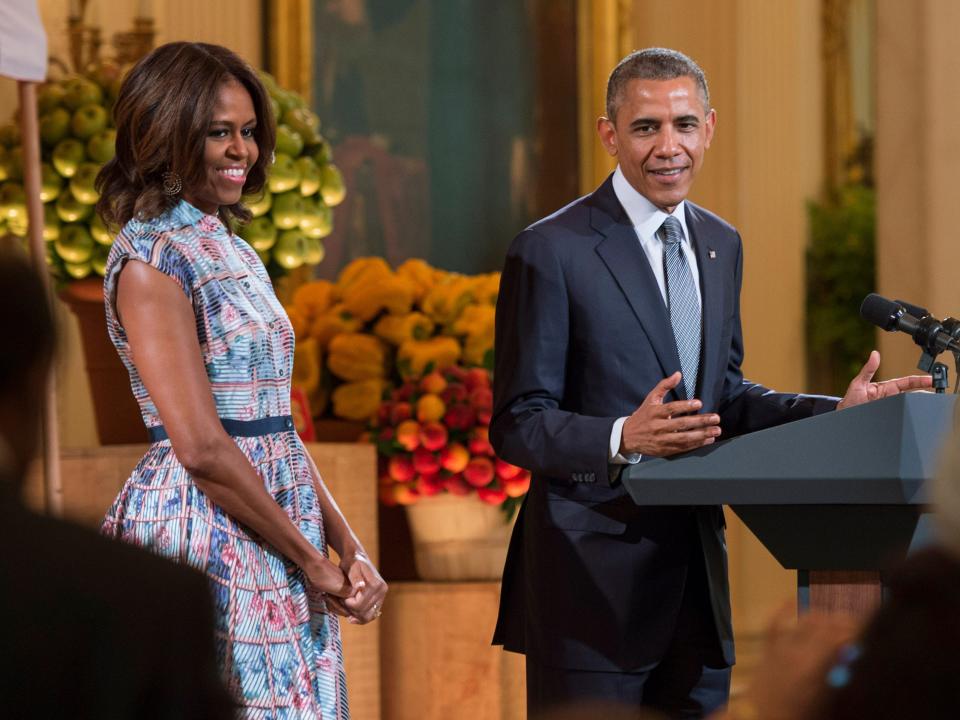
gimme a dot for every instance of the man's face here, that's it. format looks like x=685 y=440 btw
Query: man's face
x=659 y=136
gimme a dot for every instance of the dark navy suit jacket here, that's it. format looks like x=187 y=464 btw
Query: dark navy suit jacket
x=593 y=581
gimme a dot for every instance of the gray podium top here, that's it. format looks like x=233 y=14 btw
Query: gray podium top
x=879 y=453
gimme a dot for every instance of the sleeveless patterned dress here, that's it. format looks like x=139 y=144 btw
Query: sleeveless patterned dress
x=278 y=646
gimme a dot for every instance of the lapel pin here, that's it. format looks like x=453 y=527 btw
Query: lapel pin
x=712 y=254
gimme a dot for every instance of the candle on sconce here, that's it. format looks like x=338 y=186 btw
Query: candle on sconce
x=74 y=8
x=143 y=9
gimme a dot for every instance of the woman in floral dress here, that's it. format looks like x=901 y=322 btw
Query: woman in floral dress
x=226 y=485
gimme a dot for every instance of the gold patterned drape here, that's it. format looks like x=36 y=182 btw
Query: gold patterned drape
x=839 y=127
x=290 y=44
x=604 y=35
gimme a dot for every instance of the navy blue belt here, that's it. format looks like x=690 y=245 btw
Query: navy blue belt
x=237 y=428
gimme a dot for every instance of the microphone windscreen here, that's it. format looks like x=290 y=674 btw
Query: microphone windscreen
x=881 y=312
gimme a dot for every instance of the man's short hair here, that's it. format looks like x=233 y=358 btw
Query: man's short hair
x=653 y=64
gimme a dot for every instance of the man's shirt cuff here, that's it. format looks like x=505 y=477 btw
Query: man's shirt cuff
x=616 y=435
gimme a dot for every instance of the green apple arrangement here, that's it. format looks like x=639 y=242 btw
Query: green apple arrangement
x=77 y=138
x=296 y=210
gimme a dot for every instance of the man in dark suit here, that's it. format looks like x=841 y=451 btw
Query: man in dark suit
x=618 y=338
x=93 y=628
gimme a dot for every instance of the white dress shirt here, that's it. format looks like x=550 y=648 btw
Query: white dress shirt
x=646 y=219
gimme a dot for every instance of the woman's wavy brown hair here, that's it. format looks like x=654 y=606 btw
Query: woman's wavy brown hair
x=163 y=113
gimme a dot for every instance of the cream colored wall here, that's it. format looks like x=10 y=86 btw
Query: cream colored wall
x=236 y=24
x=763 y=65
x=917 y=156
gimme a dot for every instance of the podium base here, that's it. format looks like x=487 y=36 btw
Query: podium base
x=856 y=592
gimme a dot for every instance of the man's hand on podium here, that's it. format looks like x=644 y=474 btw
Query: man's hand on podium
x=862 y=390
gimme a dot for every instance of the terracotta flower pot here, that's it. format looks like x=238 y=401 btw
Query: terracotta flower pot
x=116 y=412
x=458 y=538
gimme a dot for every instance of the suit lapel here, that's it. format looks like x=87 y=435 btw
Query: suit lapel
x=621 y=252
x=711 y=291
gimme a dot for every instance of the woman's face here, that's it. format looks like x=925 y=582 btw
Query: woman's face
x=229 y=152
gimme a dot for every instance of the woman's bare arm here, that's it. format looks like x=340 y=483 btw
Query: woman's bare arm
x=370 y=587
x=161 y=329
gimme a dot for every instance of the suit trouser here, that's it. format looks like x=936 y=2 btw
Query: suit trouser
x=689 y=681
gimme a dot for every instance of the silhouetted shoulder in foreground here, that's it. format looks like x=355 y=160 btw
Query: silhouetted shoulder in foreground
x=94 y=628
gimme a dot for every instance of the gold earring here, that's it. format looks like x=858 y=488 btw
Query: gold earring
x=172 y=184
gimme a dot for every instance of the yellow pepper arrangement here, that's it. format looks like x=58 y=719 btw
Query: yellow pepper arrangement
x=409 y=351
x=377 y=327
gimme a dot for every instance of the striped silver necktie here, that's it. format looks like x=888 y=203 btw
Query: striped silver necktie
x=682 y=302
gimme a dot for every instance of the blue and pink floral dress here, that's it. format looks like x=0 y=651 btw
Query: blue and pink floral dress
x=278 y=645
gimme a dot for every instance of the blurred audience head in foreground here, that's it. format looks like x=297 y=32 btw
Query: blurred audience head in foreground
x=29 y=341
x=74 y=645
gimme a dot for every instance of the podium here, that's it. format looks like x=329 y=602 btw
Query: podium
x=838 y=496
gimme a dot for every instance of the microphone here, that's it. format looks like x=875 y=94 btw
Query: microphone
x=951 y=325
x=926 y=331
